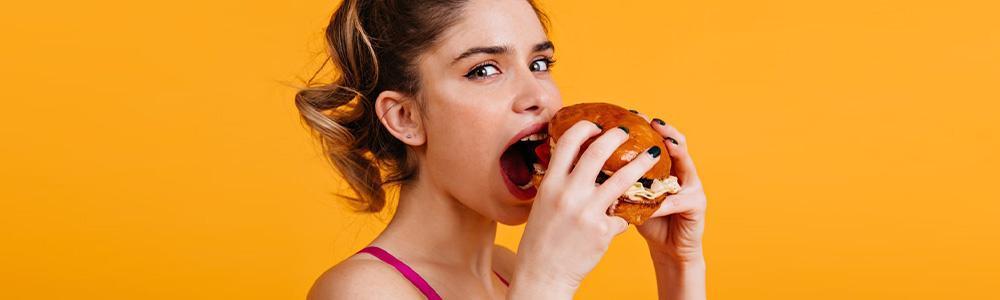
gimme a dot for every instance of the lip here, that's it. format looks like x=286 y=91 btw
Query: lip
x=525 y=132
x=525 y=194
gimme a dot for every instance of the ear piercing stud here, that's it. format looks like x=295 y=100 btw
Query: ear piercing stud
x=409 y=135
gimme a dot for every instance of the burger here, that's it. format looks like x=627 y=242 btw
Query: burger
x=641 y=199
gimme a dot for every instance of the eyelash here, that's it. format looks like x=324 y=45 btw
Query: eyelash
x=472 y=73
x=549 y=62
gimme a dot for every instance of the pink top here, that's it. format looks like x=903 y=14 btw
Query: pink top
x=409 y=273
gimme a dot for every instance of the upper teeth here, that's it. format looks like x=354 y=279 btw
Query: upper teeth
x=535 y=137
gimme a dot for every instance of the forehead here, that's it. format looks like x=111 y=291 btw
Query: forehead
x=492 y=23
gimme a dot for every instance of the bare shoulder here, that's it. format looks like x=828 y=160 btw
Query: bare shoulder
x=504 y=260
x=362 y=277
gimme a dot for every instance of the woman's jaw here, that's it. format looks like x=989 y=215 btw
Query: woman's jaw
x=517 y=159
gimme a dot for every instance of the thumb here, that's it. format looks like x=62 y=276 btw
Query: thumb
x=674 y=204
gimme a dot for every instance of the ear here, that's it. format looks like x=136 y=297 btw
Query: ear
x=400 y=115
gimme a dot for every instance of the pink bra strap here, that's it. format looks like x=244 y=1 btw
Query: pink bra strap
x=407 y=272
x=501 y=278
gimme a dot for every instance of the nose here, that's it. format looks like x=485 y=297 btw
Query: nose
x=532 y=96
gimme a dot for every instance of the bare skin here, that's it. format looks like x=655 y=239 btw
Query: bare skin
x=459 y=125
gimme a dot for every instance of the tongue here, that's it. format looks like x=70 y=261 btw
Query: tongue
x=513 y=164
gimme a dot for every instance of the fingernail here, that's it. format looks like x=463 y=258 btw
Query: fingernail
x=633 y=111
x=672 y=140
x=646 y=182
x=654 y=152
x=658 y=121
x=623 y=128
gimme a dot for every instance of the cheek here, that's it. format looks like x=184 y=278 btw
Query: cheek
x=462 y=141
x=463 y=117
x=554 y=97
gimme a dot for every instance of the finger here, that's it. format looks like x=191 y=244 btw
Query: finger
x=626 y=176
x=676 y=144
x=617 y=225
x=597 y=153
x=675 y=204
x=668 y=131
x=640 y=114
x=683 y=165
x=568 y=146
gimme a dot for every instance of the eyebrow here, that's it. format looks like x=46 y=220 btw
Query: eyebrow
x=546 y=45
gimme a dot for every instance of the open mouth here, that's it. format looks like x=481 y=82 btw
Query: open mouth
x=520 y=162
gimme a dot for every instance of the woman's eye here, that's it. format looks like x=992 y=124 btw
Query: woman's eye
x=541 y=65
x=483 y=71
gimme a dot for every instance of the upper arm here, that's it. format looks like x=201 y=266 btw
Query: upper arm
x=504 y=261
x=359 y=278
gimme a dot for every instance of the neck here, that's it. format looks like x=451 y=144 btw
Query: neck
x=433 y=226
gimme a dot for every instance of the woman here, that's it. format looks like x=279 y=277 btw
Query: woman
x=432 y=93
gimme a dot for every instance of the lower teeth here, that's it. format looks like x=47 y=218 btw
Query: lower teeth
x=525 y=186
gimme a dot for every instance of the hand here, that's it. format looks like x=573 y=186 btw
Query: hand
x=675 y=230
x=568 y=230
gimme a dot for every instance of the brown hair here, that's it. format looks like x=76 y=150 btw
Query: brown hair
x=372 y=44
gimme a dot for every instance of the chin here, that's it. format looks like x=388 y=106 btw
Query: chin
x=513 y=215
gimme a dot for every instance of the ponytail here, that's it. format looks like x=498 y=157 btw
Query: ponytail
x=333 y=112
x=373 y=44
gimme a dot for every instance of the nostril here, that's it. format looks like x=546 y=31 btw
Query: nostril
x=533 y=108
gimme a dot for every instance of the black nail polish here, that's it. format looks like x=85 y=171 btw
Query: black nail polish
x=658 y=121
x=654 y=152
x=623 y=128
x=646 y=182
x=672 y=140
x=633 y=111
x=601 y=177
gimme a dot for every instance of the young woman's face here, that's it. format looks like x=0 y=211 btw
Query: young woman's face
x=484 y=85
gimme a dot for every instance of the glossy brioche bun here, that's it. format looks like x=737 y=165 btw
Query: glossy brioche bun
x=642 y=136
x=637 y=213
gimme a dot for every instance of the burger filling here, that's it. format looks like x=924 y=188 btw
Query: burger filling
x=541 y=159
x=642 y=191
x=646 y=190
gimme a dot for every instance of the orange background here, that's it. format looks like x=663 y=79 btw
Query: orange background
x=849 y=148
